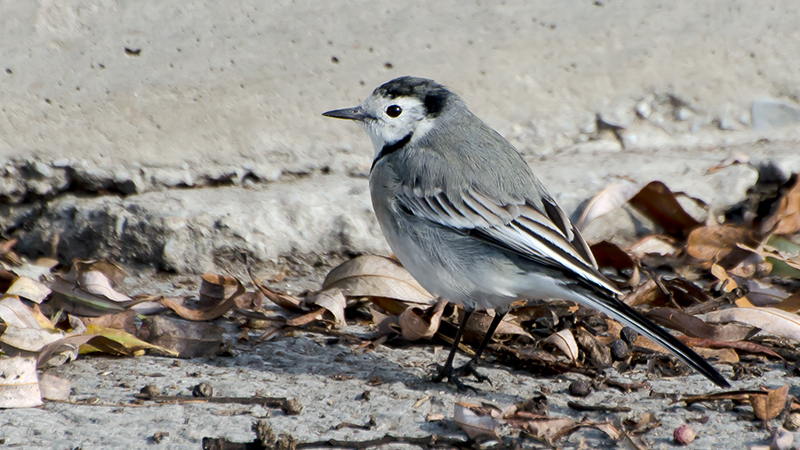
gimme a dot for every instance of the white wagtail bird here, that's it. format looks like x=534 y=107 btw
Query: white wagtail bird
x=467 y=217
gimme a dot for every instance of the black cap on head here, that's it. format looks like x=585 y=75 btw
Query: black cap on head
x=432 y=94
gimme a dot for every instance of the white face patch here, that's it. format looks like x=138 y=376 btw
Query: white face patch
x=384 y=129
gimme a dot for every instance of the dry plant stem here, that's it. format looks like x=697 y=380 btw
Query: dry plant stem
x=601 y=408
x=426 y=442
x=273 y=402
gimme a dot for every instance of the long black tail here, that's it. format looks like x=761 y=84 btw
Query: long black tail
x=632 y=318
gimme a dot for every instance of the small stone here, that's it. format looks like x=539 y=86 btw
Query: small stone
x=365 y=396
x=292 y=407
x=629 y=335
x=203 y=390
x=643 y=110
x=683 y=435
x=781 y=439
x=151 y=391
x=535 y=405
x=792 y=422
x=580 y=388
x=619 y=350
x=160 y=436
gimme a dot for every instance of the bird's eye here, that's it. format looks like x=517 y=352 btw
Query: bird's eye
x=394 y=111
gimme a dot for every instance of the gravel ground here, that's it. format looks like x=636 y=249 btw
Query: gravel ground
x=329 y=378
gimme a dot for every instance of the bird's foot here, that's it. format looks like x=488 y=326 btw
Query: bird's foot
x=454 y=376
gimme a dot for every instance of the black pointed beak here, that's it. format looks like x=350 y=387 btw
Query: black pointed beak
x=355 y=113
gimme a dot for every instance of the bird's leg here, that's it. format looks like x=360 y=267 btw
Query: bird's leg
x=447 y=371
x=470 y=367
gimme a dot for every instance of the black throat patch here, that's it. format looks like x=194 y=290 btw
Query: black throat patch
x=388 y=149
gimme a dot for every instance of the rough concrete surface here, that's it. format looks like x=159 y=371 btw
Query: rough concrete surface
x=177 y=135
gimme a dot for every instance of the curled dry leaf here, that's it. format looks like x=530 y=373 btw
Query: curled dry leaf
x=771 y=320
x=718 y=243
x=73 y=342
x=606 y=201
x=29 y=289
x=413 y=327
x=610 y=255
x=749 y=347
x=565 y=341
x=721 y=355
x=19 y=386
x=695 y=327
x=215 y=288
x=654 y=245
x=475 y=420
x=209 y=313
x=768 y=407
x=184 y=339
x=479 y=322
x=376 y=276
x=332 y=300
x=658 y=203
x=121 y=321
x=598 y=355
x=786 y=218
x=95 y=282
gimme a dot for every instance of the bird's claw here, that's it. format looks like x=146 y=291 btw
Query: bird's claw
x=454 y=376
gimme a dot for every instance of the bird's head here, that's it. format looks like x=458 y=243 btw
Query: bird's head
x=403 y=109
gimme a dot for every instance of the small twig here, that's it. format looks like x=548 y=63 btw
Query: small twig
x=367 y=426
x=426 y=442
x=601 y=408
x=288 y=406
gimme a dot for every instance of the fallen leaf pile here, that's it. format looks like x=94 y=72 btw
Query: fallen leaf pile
x=729 y=285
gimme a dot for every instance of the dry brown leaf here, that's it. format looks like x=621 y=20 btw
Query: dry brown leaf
x=413 y=327
x=475 y=420
x=658 y=203
x=14 y=313
x=718 y=243
x=786 y=219
x=479 y=322
x=654 y=245
x=72 y=299
x=29 y=289
x=377 y=276
x=722 y=355
x=606 y=201
x=598 y=355
x=565 y=341
x=771 y=320
x=186 y=339
x=215 y=288
x=129 y=342
x=386 y=323
x=306 y=318
x=210 y=313
x=19 y=386
x=695 y=327
x=749 y=347
x=791 y=304
x=285 y=301
x=543 y=427
x=333 y=300
x=72 y=343
x=610 y=255
x=125 y=320
x=95 y=282
x=605 y=427
x=768 y=407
